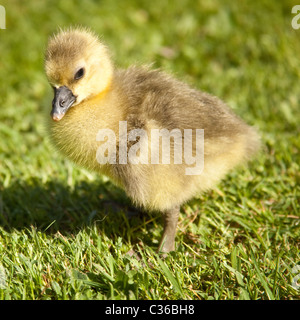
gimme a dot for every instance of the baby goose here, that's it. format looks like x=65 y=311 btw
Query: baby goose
x=90 y=94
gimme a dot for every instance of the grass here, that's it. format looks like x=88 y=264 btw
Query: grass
x=66 y=233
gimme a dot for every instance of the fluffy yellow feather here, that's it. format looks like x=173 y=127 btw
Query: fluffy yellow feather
x=91 y=95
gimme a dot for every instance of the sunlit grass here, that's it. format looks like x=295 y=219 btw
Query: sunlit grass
x=66 y=233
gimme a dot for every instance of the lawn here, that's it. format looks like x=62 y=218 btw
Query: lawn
x=66 y=233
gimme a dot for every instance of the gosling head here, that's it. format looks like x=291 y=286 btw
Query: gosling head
x=78 y=68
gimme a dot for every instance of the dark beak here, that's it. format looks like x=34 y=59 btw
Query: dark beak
x=62 y=102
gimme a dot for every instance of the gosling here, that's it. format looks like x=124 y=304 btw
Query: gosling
x=127 y=107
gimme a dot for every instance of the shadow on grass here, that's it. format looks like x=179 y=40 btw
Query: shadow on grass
x=53 y=207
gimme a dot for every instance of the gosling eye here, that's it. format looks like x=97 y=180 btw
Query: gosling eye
x=79 y=74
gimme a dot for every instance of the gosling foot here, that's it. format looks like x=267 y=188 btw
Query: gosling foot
x=167 y=242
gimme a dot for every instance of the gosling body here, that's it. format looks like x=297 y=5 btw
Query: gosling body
x=146 y=99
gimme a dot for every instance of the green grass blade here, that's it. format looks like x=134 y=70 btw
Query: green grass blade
x=262 y=278
x=168 y=274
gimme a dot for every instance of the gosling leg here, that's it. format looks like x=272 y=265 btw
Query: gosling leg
x=167 y=242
